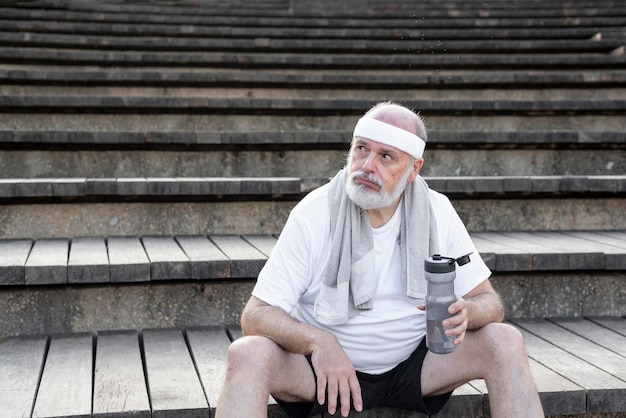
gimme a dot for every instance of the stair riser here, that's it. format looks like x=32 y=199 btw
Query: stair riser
x=305 y=163
x=61 y=309
x=302 y=122
x=257 y=217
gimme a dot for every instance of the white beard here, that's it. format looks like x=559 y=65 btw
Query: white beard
x=367 y=198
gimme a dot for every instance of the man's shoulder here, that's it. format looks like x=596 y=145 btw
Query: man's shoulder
x=314 y=202
x=438 y=199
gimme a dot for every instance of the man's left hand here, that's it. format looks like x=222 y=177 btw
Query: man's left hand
x=456 y=325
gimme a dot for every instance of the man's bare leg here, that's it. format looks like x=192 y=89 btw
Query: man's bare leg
x=258 y=367
x=497 y=354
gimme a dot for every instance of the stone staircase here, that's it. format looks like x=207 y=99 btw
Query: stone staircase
x=150 y=153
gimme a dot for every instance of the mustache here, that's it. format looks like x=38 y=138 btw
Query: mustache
x=366 y=176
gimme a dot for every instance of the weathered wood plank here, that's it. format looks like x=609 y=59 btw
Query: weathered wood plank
x=174 y=387
x=543 y=258
x=235 y=332
x=598 y=334
x=246 y=261
x=614 y=249
x=582 y=253
x=208 y=348
x=207 y=261
x=613 y=323
x=506 y=257
x=13 y=256
x=47 y=262
x=466 y=402
x=88 y=262
x=119 y=384
x=558 y=395
x=66 y=383
x=21 y=362
x=128 y=261
x=573 y=254
x=263 y=243
x=605 y=392
x=576 y=345
x=167 y=260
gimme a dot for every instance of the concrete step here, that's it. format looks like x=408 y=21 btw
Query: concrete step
x=73 y=207
x=293 y=28
x=106 y=154
x=114 y=104
x=176 y=371
x=258 y=60
x=460 y=44
x=24 y=74
x=81 y=284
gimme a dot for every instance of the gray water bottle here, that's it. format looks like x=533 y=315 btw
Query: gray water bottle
x=440 y=274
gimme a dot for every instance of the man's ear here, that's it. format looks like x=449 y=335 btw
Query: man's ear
x=417 y=166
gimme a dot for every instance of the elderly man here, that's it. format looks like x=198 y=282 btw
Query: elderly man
x=336 y=321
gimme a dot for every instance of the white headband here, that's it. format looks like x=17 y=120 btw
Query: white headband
x=390 y=135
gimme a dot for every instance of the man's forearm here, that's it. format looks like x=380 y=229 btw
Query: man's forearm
x=259 y=318
x=483 y=309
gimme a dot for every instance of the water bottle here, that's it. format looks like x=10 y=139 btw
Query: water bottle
x=440 y=274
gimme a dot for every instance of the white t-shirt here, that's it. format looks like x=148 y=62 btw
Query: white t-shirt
x=375 y=340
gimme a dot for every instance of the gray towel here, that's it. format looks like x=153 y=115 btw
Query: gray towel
x=349 y=280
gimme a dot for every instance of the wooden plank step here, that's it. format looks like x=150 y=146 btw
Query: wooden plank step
x=21 y=364
x=88 y=261
x=546 y=251
x=128 y=260
x=593 y=352
x=167 y=259
x=591 y=331
x=119 y=383
x=207 y=261
x=13 y=257
x=47 y=262
x=185 y=374
x=174 y=387
x=612 y=323
x=559 y=353
x=246 y=261
x=66 y=383
x=136 y=259
x=208 y=346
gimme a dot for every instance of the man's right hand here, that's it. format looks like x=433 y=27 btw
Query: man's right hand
x=336 y=377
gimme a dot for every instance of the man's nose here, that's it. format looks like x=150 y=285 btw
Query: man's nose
x=369 y=165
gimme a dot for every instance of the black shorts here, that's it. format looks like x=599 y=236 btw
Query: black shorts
x=400 y=388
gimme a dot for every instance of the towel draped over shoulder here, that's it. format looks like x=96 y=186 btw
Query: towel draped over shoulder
x=349 y=283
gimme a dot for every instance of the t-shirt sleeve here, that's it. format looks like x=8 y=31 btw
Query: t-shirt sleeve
x=286 y=274
x=455 y=241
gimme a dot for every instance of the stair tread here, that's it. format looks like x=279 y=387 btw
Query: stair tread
x=559 y=348
x=154 y=258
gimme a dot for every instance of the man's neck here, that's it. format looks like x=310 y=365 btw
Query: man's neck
x=379 y=217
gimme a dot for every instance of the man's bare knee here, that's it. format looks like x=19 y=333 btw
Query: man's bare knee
x=502 y=345
x=265 y=364
x=251 y=354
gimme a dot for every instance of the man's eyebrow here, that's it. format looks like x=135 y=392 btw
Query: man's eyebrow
x=382 y=148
